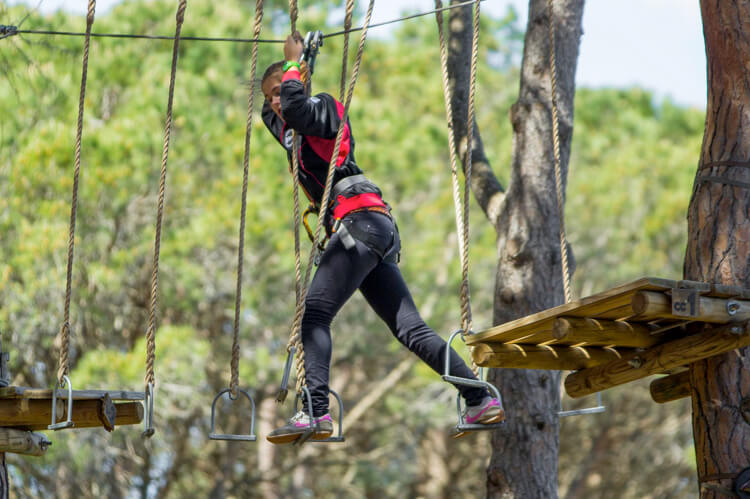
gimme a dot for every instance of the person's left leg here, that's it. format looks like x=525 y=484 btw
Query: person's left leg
x=386 y=291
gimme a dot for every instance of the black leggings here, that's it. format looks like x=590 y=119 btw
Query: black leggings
x=339 y=274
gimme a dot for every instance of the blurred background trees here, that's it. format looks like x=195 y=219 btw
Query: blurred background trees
x=629 y=150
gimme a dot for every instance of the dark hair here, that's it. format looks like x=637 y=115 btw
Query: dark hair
x=272 y=70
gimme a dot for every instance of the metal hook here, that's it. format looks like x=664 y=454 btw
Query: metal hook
x=148 y=420
x=230 y=436
x=284 y=388
x=68 y=423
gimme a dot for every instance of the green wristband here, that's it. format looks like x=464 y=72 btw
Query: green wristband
x=290 y=64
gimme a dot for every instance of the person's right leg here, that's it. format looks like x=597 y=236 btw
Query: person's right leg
x=339 y=274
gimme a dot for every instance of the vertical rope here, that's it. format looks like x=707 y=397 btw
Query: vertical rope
x=235 y=364
x=461 y=210
x=293 y=13
x=556 y=151
x=466 y=307
x=151 y=332
x=296 y=328
x=345 y=57
x=64 y=334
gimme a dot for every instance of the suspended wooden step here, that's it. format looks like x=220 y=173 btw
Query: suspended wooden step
x=30 y=409
x=645 y=327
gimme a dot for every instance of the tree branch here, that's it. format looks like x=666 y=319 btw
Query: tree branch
x=484 y=184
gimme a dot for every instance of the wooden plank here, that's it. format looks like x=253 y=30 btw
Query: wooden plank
x=574 y=330
x=128 y=413
x=562 y=358
x=604 y=302
x=669 y=355
x=672 y=387
x=27 y=412
x=650 y=305
x=23 y=442
x=36 y=393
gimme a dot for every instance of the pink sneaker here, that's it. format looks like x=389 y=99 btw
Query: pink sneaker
x=298 y=425
x=489 y=411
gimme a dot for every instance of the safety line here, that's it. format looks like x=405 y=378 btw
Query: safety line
x=12 y=30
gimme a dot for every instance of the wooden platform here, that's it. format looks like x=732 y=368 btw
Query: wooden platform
x=642 y=322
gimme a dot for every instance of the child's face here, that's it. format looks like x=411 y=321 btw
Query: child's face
x=272 y=90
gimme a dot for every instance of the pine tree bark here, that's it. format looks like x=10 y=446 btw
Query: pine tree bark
x=4 y=484
x=529 y=273
x=718 y=249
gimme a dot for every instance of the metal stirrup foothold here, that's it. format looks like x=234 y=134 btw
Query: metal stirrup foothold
x=148 y=417
x=599 y=407
x=462 y=425
x=68 y=423
x=313 y=429
x=284 y=388
x=231 y=436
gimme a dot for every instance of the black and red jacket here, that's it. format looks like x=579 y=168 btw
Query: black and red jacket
x=316 y=120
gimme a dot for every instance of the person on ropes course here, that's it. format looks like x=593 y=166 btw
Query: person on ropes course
x=362 y=253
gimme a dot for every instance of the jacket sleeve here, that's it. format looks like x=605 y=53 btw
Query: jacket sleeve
x=272 y=121
x=316 y=116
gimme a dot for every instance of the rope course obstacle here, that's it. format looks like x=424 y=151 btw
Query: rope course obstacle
x=24 y=409
x=234 y=389
x=646 y=327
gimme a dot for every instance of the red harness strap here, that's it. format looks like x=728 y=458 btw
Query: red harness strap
x=346 y=205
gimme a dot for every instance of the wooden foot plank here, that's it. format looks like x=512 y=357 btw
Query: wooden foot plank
x=36 y=414
x=666 y=356
x=574 y=330
x=672 y=387
x=562 y=358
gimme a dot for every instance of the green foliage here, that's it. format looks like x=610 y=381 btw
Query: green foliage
x=628 y=190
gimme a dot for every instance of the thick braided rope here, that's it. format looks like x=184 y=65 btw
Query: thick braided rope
x=235 y=364
x=300 y=365
x=151 y=333
x=461 y=211
x=295 y=340
x=556 y=150
x=345 y=57
x=293 y=13
x=65 y=329
x=466 y=309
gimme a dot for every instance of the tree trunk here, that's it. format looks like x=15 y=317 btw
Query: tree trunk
x=4 y=484
x=718 y=249
x=529 y=274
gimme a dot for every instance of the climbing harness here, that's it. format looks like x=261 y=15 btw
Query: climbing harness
x=295 y=341
x=462 y=220
x=234 y=389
